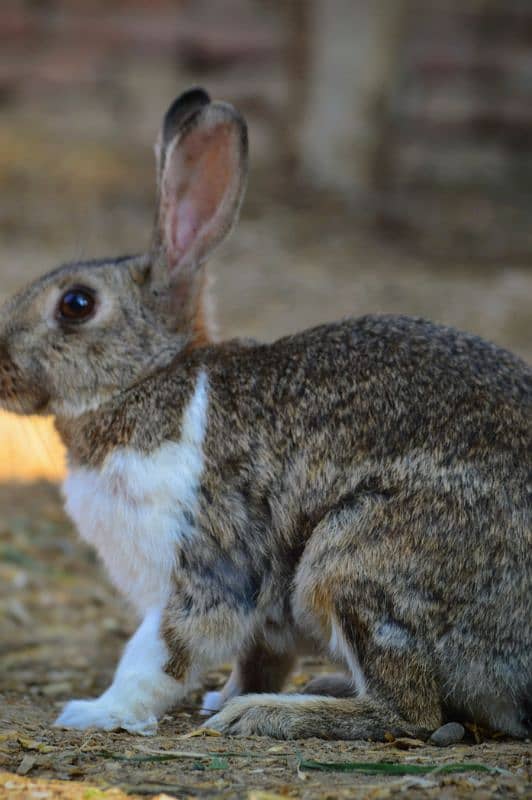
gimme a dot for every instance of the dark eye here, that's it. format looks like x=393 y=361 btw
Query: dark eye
x=76 y=305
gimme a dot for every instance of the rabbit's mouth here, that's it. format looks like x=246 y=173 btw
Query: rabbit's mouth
x=17 y=394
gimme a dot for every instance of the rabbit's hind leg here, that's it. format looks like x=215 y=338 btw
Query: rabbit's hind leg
x=344 y=603
x=399 y=697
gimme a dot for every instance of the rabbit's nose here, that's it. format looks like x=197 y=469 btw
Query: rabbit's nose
x=4 y=354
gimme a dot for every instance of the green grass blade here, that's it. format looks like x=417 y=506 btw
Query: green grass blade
x=387 y=768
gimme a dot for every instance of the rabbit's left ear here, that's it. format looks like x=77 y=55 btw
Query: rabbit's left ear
x=202 y=168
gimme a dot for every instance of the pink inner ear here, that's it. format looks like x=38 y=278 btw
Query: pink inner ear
x=200 y=174
x=183 y=227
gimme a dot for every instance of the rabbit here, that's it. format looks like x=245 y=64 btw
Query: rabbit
x=361 y=488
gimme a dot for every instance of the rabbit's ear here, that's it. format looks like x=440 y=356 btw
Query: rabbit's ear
x=183 y=106
x=202 y=175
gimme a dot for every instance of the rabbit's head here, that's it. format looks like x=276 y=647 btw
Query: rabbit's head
x=85 y=332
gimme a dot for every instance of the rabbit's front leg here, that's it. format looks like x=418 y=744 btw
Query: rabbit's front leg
x=141 y=690
x=259 y=668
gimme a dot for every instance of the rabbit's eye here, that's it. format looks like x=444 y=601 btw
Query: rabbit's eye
x=76 y=305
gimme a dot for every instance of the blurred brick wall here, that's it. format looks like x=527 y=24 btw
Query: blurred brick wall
x=48 y=46
x=83 y=86
x=457 y=147
x=463 y=110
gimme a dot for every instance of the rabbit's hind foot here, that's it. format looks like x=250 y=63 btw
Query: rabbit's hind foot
x=300 y=716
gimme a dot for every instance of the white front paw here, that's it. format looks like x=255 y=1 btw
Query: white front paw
x=107 y=716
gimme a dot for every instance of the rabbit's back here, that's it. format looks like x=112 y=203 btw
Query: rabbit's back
x=386 y=385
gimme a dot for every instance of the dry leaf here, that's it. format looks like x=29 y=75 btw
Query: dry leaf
x=201 y=732
x=405 y=743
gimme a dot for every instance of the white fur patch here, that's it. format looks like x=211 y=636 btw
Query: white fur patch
x=392 y=636
x=340 y=648
x=136 y=509
x=140 y=693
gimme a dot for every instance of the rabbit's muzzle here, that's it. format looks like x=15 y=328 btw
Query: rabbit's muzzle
x=8 y=376
x=17 y=393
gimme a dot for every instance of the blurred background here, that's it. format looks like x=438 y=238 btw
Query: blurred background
x=391 y=157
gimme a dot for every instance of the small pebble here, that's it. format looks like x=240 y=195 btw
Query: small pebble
x=451 y=733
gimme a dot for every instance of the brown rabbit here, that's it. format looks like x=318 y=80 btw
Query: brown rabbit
x=363 y=486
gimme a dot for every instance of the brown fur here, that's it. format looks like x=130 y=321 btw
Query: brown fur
x=368 y=479
x=262 y=669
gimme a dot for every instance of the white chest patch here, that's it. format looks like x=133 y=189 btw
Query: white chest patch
x=136 y=509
